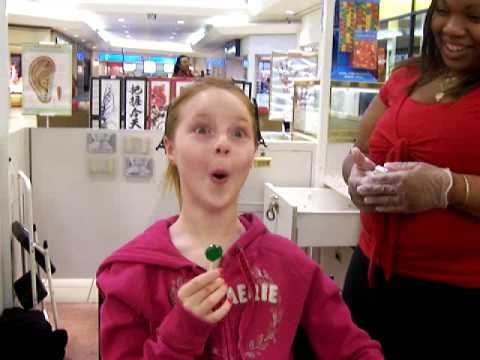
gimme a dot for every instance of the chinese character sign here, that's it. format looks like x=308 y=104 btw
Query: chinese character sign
x=135 y=104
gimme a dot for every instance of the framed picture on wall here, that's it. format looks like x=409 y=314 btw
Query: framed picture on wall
x=47 y=79
x=110 y=103
x=138 y=166
x=94 y=102
x=135 y=103
x=101 y=142
x=159 y=98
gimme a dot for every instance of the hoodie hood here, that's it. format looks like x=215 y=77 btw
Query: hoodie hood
x=155 y=247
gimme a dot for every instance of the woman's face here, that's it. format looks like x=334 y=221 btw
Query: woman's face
x=184 y=64
x=456 y=27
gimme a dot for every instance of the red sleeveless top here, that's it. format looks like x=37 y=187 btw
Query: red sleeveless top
x=441 y=244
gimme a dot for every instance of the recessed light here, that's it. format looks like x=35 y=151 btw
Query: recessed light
x=65 y=29
x=83 y=40
x=129 y=36
x=174 y=33
x=126 y=31
x=124 y=26
x=289 y=12
x=121 y=20
x=172 y=37
x=76 y=36
x=180 y=22
x=94 y=47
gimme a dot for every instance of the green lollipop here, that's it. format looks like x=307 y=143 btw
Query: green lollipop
x=213 y=253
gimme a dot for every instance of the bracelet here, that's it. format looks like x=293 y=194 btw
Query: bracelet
x=467 y=189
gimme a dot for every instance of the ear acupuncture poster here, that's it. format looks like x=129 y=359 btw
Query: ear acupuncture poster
x=47 y=79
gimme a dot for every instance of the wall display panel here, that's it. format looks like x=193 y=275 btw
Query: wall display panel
x=306 y=107
x=136 y=145
x=286 y=68
x=47 y=79
x=94 y=102
x=159 y=98
x=101 y=142
x=110 y=103
x=135 y=104
x=138 y=166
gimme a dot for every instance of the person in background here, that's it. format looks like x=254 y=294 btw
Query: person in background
x=182 y=67
x=160 y=302
x=414 y=281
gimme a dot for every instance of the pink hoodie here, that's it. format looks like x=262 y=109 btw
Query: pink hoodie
x=273 y=285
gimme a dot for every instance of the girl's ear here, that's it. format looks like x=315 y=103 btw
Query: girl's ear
x=169 y=149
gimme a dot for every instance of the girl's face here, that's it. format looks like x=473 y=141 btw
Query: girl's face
x=213 y=149
x=456 y=27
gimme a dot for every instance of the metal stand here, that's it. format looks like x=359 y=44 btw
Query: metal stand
x=26 y=217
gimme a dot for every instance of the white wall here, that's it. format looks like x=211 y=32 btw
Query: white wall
x=311 y=29
x=5 y=267
x=264 y=45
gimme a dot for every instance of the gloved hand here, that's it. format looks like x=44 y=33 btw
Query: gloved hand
x=362 y=165
x=409 y=187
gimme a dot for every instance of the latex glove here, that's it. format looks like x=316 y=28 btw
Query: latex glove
x=362 y=165
x=409 y=187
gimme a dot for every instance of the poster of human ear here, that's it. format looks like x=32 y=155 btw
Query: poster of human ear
x=355 y=40
x=47 y=79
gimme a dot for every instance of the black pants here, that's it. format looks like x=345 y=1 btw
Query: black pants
x=412 y=318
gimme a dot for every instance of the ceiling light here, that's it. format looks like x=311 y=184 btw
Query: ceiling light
x=129 y=36
x=126 y=31
x=124 y=26
x=172 y=37
x=83 y=40
x=174 y=33
x=121 y=20
x=76 y=36
x=180 y=22
x=94 y=47
x=290 y=12
x=65 y=29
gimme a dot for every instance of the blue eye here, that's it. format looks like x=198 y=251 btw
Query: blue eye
x=239 y=133
x=202 y=130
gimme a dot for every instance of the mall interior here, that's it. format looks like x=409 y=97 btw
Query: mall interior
x=84 y=105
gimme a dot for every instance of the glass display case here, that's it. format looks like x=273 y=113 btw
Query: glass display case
x=348 y=102
x=286 y=68
x=306 y=107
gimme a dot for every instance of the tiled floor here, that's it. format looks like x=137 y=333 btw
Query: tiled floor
x=81 y=322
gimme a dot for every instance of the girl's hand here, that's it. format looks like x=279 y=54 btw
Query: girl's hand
x=203 y=293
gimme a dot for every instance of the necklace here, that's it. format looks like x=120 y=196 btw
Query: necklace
x=446 y=84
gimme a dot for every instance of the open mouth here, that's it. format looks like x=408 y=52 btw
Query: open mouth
x=219 y=176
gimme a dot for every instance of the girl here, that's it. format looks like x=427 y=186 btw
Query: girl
x=160 y=303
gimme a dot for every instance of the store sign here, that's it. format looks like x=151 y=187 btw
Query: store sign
x=162 y=59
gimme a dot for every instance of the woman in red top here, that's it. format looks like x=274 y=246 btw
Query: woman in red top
x=414 y=281
x=182 y=67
